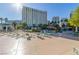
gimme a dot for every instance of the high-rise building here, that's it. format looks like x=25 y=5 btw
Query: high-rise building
x=33 y=16
x=56 y=19
x=71 y=13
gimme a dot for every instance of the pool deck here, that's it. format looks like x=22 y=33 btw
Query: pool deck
x=49 y=46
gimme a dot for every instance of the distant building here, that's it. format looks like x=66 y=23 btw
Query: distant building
x=71 y=14
x=17 y=21
x=6 y=25
x=33 y=16
x=55 y=19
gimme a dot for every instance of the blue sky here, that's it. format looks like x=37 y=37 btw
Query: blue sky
x=53 y=9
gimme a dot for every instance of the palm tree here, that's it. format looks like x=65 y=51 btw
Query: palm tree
x=61 y=20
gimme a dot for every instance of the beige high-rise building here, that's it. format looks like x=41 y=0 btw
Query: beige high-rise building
x=33 y=16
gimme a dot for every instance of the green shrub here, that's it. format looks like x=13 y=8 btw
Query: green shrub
x=35 y=30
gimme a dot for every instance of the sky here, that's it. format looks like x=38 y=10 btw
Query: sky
x=62 y=10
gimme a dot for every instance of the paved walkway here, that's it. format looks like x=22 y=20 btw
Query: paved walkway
x=49 y=46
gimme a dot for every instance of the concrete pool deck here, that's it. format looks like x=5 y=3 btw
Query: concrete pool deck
x=49 y=46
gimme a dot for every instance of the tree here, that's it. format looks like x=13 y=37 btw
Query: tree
x=74 y=20
x=44 y=26
x=66 y=20
x=24 y=25
x=19 y=26
x=61 y=20
x=52 y=22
